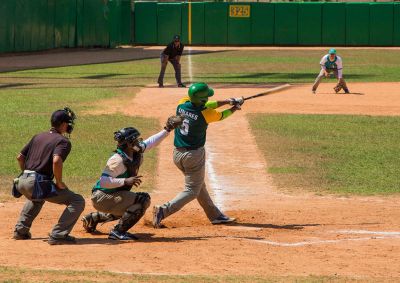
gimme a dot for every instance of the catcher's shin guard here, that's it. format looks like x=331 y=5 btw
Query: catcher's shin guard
x=91 y=220
x=133 y=214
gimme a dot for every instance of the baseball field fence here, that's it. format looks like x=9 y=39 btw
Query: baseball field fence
x=32 y=25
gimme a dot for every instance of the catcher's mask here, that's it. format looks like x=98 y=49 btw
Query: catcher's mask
x=199 y=93
x=128 y=136
x=65 y=115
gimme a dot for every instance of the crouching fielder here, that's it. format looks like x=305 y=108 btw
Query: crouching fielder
x=189 y=152
x=331 y=63
x=111 y=195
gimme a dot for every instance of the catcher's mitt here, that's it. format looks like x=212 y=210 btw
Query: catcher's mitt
x=173 y=122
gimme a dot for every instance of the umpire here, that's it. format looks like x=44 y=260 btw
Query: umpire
x=41 y=160
x=172 y=53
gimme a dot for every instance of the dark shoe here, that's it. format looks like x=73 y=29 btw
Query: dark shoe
x=160 y=85
x=314 y=92
x=121 y=236
x=132 y=236
x=19 y=236
x=158 y=215
x=346 y=91
x=223 y=219
x=181 y=85
x=67 y=240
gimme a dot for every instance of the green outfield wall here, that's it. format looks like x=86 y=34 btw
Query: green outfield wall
x=31 y=25
x=303 y=24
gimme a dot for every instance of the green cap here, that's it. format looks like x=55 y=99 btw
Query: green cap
x=199 y=93
x=332 y=51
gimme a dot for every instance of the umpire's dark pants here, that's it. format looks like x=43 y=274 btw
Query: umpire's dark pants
x=75 y=204
x=177 y=68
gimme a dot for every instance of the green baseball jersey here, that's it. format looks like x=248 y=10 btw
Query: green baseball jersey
x=192 y=133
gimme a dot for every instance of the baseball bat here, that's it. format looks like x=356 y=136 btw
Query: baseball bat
x=270 y=91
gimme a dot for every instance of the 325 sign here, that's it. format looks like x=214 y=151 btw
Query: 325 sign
x=239 y=11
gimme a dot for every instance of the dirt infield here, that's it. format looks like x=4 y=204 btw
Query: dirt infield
x=277 y=233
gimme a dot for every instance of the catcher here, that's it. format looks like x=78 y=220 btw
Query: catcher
x=331 y=63
x=189 y=152
x=111 y=195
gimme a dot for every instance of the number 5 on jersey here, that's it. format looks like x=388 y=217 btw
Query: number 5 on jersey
x=184 y=129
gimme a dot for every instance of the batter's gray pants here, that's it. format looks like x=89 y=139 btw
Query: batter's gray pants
x=321 y=75
x=177 y=68
x=192 y=165
x=75 y=204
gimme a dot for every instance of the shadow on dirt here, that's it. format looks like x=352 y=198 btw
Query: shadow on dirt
x=273 y=226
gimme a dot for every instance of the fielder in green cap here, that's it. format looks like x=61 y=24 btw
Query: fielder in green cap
x=331 y=63
x=189 y=152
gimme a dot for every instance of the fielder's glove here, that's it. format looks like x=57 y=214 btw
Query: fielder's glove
x=173 y=122
x=237 y=102
x=338 y=87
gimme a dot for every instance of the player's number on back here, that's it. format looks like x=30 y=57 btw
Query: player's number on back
x=184 y=129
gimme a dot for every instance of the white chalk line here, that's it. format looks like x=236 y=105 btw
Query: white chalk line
x=215 y=181
x=386 y=233
x=376 y=235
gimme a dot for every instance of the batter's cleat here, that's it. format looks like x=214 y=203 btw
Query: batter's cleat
x=181 y=85
x=346 y=91
x=223 y=219
x=121 y=236
x=158 y=215
x=66 y=240
x=19 y=236
x=314 y=92
x=89 y=224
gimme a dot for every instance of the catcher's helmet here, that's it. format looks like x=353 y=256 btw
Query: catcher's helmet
x=63 y=115
x=332 y=51
x=199 y=93
x=126 y=136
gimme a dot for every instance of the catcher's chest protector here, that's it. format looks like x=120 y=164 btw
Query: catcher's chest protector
x=132 y=165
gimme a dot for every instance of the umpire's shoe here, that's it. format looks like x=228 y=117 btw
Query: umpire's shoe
x=66 y=240
x=122 y=236
x=158 y=216
x=19 y=236
x=223 y=219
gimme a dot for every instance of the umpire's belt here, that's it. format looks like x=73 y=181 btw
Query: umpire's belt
x=28 y=173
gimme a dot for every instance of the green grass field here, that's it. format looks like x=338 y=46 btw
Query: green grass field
x=28 y=98
x=27 y=112
x=334 y=153
x=252 y=67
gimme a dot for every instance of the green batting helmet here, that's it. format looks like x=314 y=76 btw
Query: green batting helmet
x=332 y=51
x=199 y=93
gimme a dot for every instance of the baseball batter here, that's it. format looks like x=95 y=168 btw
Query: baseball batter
x=189 y=152
x=331 y=63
